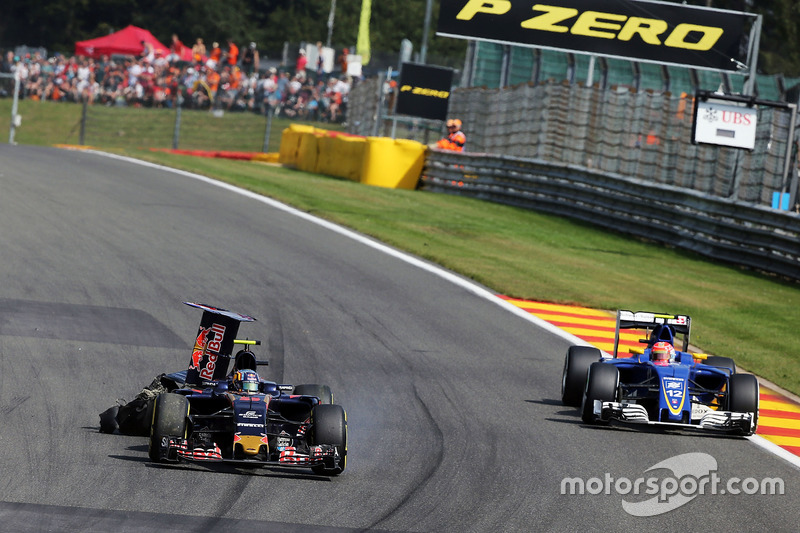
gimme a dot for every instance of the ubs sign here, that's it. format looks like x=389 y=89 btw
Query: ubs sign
x=641 y=30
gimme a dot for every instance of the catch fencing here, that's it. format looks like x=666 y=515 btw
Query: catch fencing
x=640 y=134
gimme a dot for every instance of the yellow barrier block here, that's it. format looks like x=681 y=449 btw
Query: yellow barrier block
x=392 y=163
x=308 y=152
x=290 y=143
x=341 y=156
x=270 y=157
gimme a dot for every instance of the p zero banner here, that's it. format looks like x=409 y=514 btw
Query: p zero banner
x=657 y=32
x=424 y=91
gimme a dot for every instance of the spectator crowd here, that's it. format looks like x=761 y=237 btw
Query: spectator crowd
x=215 y=78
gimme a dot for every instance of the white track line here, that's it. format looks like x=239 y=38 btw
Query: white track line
x=428 y=267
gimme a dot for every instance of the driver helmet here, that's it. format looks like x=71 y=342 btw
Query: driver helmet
x=245 y=381
x=662 y=352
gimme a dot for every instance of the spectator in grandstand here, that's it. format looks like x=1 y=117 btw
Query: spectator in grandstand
x=250 y=59
x=302 y=62
x=455 y=139
x=8 y=62
x=292 y=104
x=176 y=49
x=320 y=60
x=342 y=60
x=215 y=56
x=199 y=52
x=148 y=52
x=232 y=54
x=333 y=99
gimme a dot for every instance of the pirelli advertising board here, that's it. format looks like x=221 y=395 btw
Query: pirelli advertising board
x=424 y=91
x=657 y=32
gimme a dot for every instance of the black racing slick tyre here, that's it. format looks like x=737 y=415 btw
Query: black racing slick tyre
x=323 y=392
x=721 y=362
x=601 y=384
x=170 y=419
x=330 y=427
x=743 y=395
x=573 y=378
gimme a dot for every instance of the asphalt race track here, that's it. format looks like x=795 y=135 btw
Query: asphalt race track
x=455 y=422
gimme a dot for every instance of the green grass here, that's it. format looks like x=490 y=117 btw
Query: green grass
x=48 y=123
x=738 y=313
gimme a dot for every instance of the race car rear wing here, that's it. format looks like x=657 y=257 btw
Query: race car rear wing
x=213 y=345
x=659 y=326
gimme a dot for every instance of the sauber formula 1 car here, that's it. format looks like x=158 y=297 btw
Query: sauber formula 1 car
x=206 y=414
x=658 y=384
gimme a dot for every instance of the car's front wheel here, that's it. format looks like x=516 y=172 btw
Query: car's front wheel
x=170 y=419
x=573 y=378
x=601 y=384
x=743 y=397
x=330 y=427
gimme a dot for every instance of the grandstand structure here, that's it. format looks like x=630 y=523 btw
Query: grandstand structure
x=495 y=65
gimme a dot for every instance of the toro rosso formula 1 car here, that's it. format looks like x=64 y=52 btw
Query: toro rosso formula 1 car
x=206 y=414
x=659 y=384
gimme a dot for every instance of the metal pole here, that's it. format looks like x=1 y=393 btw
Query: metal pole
x=83 y=122
x=14 y=106
x=423 y=49
x=380 y=99
x=793 y=191
x=265 y=148
x=176 y=134
x=787 y=165
x=755 y=38
x=505 y=63
x=330 y=22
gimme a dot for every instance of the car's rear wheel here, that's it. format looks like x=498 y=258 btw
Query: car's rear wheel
x=721 y=362
x=601 y=384
x=743 y=396
x=573 y=378
x=170 y=419
x=323 y=392
x=330 y=427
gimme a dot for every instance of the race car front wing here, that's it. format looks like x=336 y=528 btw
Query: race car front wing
x=707 y=419
x=178 y=449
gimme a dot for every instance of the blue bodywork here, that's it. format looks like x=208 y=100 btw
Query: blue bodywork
x=668 y=390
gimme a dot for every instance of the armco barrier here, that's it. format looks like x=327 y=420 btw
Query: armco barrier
x=749 y=235
x=370 y=160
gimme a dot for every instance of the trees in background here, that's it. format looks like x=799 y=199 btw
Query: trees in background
x=270 y=23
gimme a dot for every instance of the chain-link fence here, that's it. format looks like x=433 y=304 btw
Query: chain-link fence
x=178 y=128
x=639 y=134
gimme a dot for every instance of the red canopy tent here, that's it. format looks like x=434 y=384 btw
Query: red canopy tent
x=125 y=42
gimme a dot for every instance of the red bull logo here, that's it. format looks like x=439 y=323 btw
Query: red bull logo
x=206 y=348
x=199 y=347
